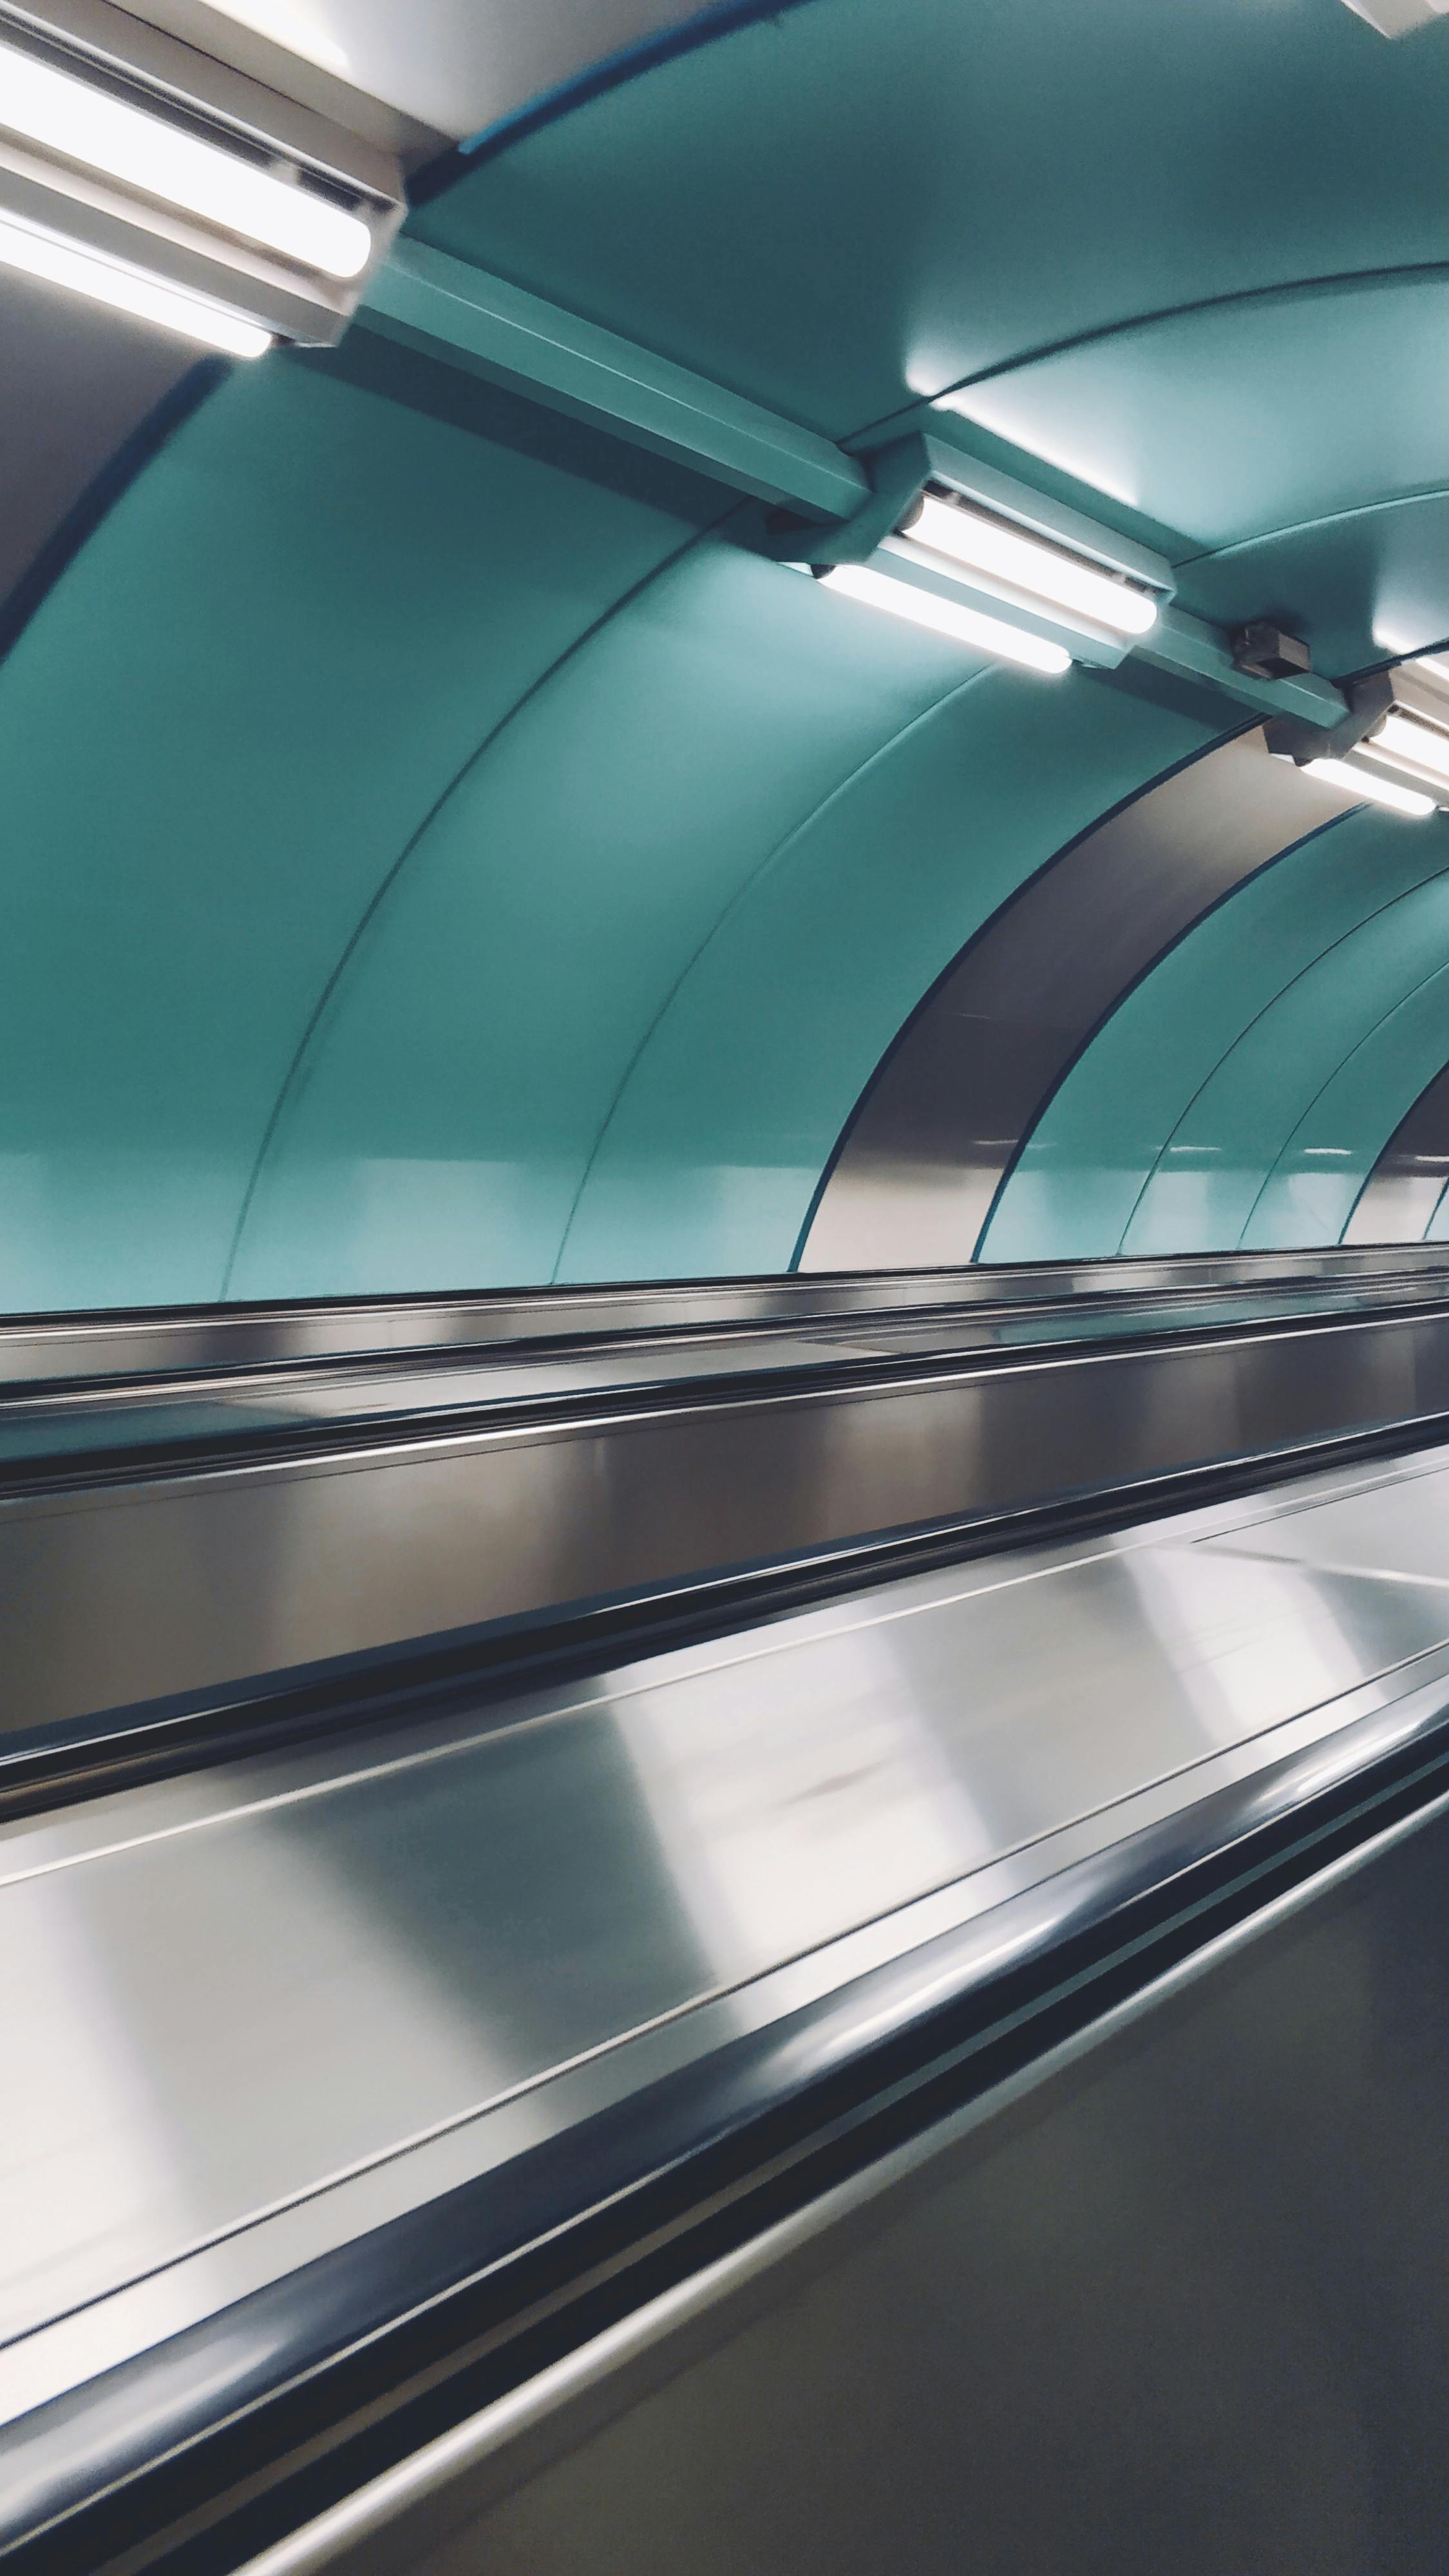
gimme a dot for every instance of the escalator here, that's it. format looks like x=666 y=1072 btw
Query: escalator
x=912 y=2041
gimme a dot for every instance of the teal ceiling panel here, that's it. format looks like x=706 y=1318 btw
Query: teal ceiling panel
x=1370 y=586
x=863 y=202
x=732 y=1106
x=1308 y=1196
x=1087 y=1162
x=1202 y=1192
x=217 y=736
x=1239 y=419
x=447 y=1109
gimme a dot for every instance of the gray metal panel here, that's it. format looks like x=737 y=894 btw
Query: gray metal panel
x=254 y=2013
x=952 y=1102
x=1183 y=2304
x=192 y=1581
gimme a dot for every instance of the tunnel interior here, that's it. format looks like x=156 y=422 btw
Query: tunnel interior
x=445 y=848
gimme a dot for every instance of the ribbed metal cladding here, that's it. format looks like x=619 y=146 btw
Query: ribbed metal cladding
x=947 y=1111
x=1398 y=1200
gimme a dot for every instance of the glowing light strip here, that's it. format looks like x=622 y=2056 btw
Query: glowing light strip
x=990 y=545
x=1374 y=791
x=70 y=116
x=1401 y=738
x=106 y=281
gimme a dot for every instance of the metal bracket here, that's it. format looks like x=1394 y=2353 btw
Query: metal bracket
x=1366 y=701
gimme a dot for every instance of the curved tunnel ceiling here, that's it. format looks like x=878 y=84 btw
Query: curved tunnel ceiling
x=448 y=854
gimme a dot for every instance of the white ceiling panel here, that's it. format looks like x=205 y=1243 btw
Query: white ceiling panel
x=455 y=65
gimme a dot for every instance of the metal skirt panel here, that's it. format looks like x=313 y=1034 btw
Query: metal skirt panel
x=1183 y=2303
x=160 y=1589
x=298 y=2043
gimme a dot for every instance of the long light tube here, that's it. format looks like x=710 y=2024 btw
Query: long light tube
x=991 y=546
x=1375 y=791
x=105 y=281
x=1400 y=738
x=946 y=617
x=72 y=117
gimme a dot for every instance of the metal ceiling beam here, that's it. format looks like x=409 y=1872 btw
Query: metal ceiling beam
x=447 y=309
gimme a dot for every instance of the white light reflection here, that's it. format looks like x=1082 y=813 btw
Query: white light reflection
x=1253 y=1641
x=803 y=1803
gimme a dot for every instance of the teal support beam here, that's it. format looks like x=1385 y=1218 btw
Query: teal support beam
x=1182 y=642
x=448 y=309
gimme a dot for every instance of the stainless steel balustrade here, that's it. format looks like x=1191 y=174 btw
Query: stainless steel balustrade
x=205 y=1338
x=262 y=2018
x=322 y=1535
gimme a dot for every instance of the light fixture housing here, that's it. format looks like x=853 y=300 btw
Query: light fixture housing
x=1406 y=742
x=1004 y=553
x=130 y=146
x=940 y=525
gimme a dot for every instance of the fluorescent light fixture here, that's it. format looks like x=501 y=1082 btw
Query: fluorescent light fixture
x=1047 y=572
x=947 y=617
x=1403 y=738
x=106 y=281
x=75 y=119
x=1374 y=791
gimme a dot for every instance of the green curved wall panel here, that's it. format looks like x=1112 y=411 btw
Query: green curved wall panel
x=1168 y=413
x=376 y=788
x=1308 y=1196
x=1205 y=1188
x=216 y=738
x=684 y=914
x=448 y=1108
x=1081 y=1172
x=735 y=1102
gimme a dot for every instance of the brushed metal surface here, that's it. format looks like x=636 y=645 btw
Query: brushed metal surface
x=942 y=1118
x=1182 y=2304
x=187 y=1341
x=240 y=2001
x=57 y=1432
x=174 y=1584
